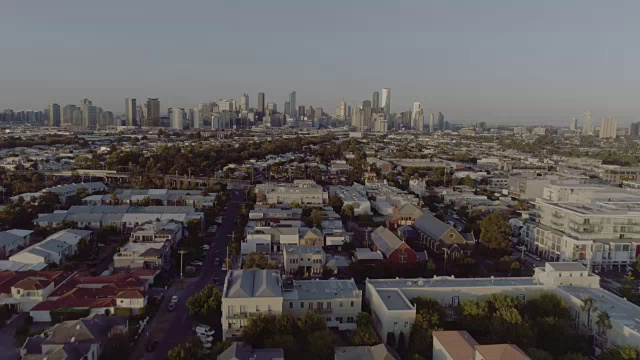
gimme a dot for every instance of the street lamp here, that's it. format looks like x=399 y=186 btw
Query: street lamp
x=182 y=252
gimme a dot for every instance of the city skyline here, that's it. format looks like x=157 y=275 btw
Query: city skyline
x=502 y=62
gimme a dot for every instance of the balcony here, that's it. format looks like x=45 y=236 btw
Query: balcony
x=238 y=316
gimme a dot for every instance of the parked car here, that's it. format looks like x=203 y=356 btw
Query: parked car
x=218 y=220
x=172 y=306
x=151 y=345
x=197 y=263
x=175 y=298
x=205 y=247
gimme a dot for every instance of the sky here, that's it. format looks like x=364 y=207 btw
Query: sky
x=499 y=61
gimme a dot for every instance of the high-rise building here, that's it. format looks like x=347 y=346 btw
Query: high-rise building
x=273 y=107
x=416 y=115
x=634 y=130
x=77 y=118
x=376 y=101
x=178 y=117
x=67 y=114
x=244 y=102
x=84 y=104
x=386 y=101
x=287 y=108
x=432 y=121
x=573 y=125
x=608 y=128
x=54 y=115
x=587 y=128
x=441 y=126
x=90 y=117
x=194 y=118
x=152 y=114
x=132 y=116
x=105 y=119
x=319 y=112
x=261 y=103
x=292 y=104
x=343 y=110
x=301 y=112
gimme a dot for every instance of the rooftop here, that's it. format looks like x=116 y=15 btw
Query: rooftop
x=325 y=289
x=253 y=283
x=446 y=282
x=395 y=300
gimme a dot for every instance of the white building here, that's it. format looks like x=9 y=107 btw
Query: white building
x=11 y=241
x=303 y=192
x=351 y=196
x=54 y=249
x=310 y=258
x=608 y=128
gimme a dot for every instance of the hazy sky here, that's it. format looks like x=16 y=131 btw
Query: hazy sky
x=513 y=61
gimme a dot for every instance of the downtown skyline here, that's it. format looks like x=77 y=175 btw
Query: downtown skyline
x=494 y=61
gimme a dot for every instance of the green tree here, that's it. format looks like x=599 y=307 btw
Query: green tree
x=316 y=218
x=603 y=322
x=474 y=316
x=219 y=347
x=495 y=233
x=336 y=203
x=186 y=351
x=364 y=333
x=255 y=260
x=621 y=353
x=538 y=354
x=206 y=305
x=347 y=211
x=628 y=288
x=588 y=306
x=116 y=347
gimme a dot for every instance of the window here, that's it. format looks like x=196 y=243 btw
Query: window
x=243 y=309
x=290 y=304
x=340 y=303
x=350 y=319
x=395 y=323
x=257 y=308
x=352 y=304
x=328 y=305
x=301 y=304
x=339 y=319
x=521 y=297
x=406 y=324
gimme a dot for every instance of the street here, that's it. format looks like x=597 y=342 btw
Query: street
x=174 y=328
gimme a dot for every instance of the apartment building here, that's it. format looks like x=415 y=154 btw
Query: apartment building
x=615 y=174
x=310 y=258
x=337 y=301
x=350 y=196
x=603 y=233
x=55 y=248
x=393 y=312
x=158 y=231
x=303 y=192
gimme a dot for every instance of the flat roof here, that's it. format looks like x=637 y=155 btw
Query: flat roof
x=393 y=299
x=620 y=310
x=325 y=289
x=445 y=282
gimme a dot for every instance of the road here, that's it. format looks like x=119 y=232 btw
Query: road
x=176 y=326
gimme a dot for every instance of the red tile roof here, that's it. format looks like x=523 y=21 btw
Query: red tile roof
x=10 y=278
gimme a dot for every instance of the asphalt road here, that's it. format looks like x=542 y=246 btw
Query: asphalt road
x=180 y=329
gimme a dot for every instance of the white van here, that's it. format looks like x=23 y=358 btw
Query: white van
x=204 y=330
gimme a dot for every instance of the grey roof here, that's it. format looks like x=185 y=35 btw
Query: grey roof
x=409 y=209
x=394 y=300
x=53 y=245
x=376 y=352
x=241 y=351
x=567 y=266
x=7 y=238
x=385 y=240
x=85 y=217
x=326 y=289
x=54 y=217
x=254 y=283
x=303 y=249
x=431 y=226
x=93 y=328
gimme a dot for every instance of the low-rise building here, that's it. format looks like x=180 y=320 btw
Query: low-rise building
x=309 y=259
x=394 y=249
x=303 y=192
x=12 y=241
x=55 y=248
x=459 y=345
x=443 y=238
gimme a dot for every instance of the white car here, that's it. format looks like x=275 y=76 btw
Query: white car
x=205 y=339
x=205 y=247
x=197 y=263
x=175 y=299
x=219 y=219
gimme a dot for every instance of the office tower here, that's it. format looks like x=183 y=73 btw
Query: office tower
x=432 y=122
x=77 y=118
x=233 y=105
x=634 y=130
x=310 y=112
x=272 y=107
x=261 y=103
x=300 y=113
x=342 y=110
x=441 y=122
x=319 y=112
x=152 y=114
x=587 y=128
x=105 y=119
x=194 y=118
x=132 y=108
x=178 y=117
x=446 y=125
x=414 y=112
x=67 y=114
x=386 y=101
x=54 y=115
x=292 y=104
x=376 y=101
x=380 y=123
x=244 y=102
x=608 y=128
x=140 y=113
x=573 y=125
x=90 y=120
x=287 y=108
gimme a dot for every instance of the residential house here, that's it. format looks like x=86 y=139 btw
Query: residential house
x=310 y=258
x=303 y=192
x=75 y=339
x=460 y=345
x=311 y=237
x=22 y=290
x=55 y=248
x=11 y=241
x=394 y=249
x=442 y=238
x=404 y=215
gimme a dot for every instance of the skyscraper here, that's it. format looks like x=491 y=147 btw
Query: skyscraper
x=608 y=128
x=152 y=116
x=77 y=118
x=261 y=103
x=273 y=107
x=587 y=128
x=54 y=115
x=441 y=122
x=292 y=104
x=105 y=119
x=343 y=110
x=376 y=101
x=244 y=102
x=301 y=112
x=386 y=101
x=67 y=114
x=416 y=114
x=84 y=104
x=90 y=117
x=178 y=117
x=573 y=125
x=287 y=108
x=132 y=116
x=432 y=121
x=634 y=130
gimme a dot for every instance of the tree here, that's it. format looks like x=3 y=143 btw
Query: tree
x=538 y=354
x=219 y=347
x=588 y=306
x=336 y=203
x=628 y=288
x=347 y=211
x=474 y=316
x=364 y=333
x=186 y=351
x=621 y=353
x=495 y=233
x=206 y=305
x=316 y=217
x=255 y=260
x=603 y=322
x=116 y=347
